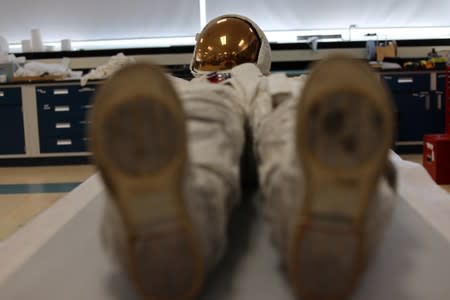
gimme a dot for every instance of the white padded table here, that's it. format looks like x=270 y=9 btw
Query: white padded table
x=413 y=262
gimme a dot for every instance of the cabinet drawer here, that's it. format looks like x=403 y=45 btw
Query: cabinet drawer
x=63 y=144
x=64 y=94
x=440 y=84
x=11 y=130
x=407 y=82
x=48 y=109
x=62 y=127
x=411 y=126
x=416 y=101
x=10 y=96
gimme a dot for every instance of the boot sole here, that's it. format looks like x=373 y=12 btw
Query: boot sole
x=344 y=134
x=139 y=142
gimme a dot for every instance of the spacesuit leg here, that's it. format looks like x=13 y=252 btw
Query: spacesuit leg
x=322 y=156
x=169 y=158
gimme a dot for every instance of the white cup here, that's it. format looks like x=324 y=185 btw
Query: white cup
x=3 y=78
x=4 y=46
x=26 y=46
x=36 y=40
x=66 y=45
x=49 y=48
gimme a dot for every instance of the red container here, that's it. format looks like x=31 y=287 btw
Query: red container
x=436 y=157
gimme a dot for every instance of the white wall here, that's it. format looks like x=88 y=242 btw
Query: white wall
x=98 y=19
x=324 y=14
x=109 y=19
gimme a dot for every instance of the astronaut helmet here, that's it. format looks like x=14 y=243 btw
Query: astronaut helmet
x=228 y=41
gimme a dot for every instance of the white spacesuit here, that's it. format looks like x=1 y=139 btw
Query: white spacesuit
x=169 y=153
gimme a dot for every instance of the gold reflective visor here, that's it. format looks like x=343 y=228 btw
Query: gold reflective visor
x=226 y=43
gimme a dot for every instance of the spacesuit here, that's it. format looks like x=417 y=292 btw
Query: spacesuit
x=169 y=153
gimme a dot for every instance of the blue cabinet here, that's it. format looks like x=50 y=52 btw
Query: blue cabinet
x=439 y=105
x=11 y=121
x=62 y=112
x=407 y=82
x=420 y=107
x=412 y=118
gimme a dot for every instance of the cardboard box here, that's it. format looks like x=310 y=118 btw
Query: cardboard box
x=389 y=50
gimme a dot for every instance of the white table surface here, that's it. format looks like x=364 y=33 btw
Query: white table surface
x=59 y=255
x=412 y=263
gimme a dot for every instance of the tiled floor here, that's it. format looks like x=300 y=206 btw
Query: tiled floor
x=27 y=191
x=417 y=158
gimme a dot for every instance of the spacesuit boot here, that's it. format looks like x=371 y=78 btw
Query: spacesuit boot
x=169 y=158
x=323 y=155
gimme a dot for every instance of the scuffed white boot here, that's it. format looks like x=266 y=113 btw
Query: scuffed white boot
x=168 y=151
x=345 y=128
x=139 y=142
x=323 y=151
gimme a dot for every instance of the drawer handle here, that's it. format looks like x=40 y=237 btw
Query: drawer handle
x=62 y=108
x=88 y=106
x=427 y=102
x=409 y=143
x=64 y=142
x=2 y=94
x=86 y=89
x=63 y=125
x=439 y=101
x=60 y=92
x=405 y=80
x=388 y=77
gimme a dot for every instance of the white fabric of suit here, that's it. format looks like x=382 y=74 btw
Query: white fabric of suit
x=268 y=104
x=216 y=115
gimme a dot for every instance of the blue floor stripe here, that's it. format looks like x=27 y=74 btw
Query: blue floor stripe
x=38 y=188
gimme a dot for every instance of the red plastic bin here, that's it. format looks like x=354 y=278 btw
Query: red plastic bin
x=436 y=157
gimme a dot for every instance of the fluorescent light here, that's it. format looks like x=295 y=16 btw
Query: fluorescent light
x=118 y=43
x=361 y=34
x=356 y=34
x=401 y=33
x=292 y=36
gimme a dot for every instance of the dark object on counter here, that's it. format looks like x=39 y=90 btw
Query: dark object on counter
x=433 y=53
x=412 y=65
x=418 y=63
x=402 y=60
x=8 y=69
